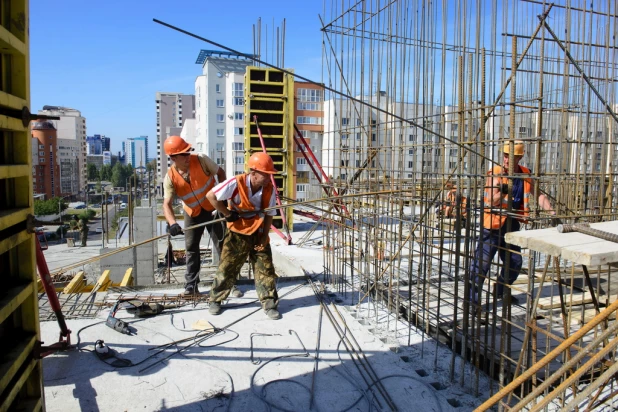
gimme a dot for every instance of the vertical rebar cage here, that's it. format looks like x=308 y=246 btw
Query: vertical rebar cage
x=438 y=89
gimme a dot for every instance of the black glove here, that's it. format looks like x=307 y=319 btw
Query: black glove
x=504 y=188
x=233 y=217
x=175 y=230
x=555 y=221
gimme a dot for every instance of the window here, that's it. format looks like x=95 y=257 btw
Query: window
x=219 y=147
x=452 y=152
x=238 y=146
x=410 y=164
x=220 y=132
x=523 y=130
x=373 y=137
x=310 y=95
x=41 y=153
x=217 y=88
x=220 y=103
x=345 y=121
x=301 y=188
x=238 y=160
x=220 y=118
x=345 y=163
x=41 y=160
x=41 y=146
x=239 y=116
x=239 y=131
x=412 y=138
x=411 y=151
x=238 y=90
x=344 y=136
x=358 y=122
x=239 y=101
x=358 y=136
x=301 y=161
x=357 y=163
x=308 y=120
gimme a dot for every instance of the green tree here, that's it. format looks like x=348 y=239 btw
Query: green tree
x=97 y=187
x=151 y=166
x=93 y=173
x=105 y=173
x=49 y=207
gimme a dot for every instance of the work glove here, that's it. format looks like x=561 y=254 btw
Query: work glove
x=233 y=217
x=555 y=221
x=175 y=230
x=504 y=188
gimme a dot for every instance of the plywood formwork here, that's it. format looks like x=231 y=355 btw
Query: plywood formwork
x=20 y=369
x=423 y=97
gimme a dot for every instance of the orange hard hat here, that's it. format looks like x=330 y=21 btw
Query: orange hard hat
x=261 y=162
x=174 y=145
x=519 y=148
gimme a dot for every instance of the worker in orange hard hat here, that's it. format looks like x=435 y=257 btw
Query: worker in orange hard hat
x=189 y=178
x=243 y=201
x=499 y=220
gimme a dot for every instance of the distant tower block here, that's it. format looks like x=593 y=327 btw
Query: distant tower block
x=269 y=95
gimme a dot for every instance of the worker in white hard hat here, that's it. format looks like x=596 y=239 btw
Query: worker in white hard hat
x=498 y=220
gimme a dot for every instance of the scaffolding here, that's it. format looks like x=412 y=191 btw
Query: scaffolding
x=421 y=97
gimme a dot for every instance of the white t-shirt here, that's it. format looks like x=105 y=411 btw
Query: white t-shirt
x=207 y=164
x=224 y=191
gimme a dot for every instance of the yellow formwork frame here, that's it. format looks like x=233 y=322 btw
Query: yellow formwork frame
x=269 y=94
x=20 y=370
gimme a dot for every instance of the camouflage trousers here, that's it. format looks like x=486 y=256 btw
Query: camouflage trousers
x=84 y=237
x=236 y=249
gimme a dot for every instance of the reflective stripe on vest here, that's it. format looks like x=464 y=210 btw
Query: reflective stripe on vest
x=193 y=194
x=248 y=224
x=494 y=219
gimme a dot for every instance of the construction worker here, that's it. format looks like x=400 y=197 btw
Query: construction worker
x=247 y=195
x=82 y=225
x=189 y=178
x=448 y=209
x=496 y=221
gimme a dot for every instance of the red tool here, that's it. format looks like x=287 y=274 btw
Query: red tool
x=65 y=334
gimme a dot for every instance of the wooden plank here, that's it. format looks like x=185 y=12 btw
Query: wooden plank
x=127 y=280
x=103 y=282
x=554 y=302
x=13 y=360
x=10 y=397
x=76 y=284
x=592 y=254
x=12 y=299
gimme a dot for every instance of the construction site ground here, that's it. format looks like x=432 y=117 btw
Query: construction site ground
x=220 y=372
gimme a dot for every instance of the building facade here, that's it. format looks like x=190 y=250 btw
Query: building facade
x=46 y=170
x=72 y=125
x=69 y=157
x=171 y=111
x=219 y=111
x=136 y=151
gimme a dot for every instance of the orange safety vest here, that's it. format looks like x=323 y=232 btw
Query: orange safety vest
x=249 y=223
x=494 y=219
x=451 y=201
x=193 y=195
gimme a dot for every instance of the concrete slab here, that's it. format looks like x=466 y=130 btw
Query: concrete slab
x=219 y=372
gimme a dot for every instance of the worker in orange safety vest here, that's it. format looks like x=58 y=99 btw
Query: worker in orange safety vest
x=498 y=220
x=189 y=178
x=242 y=200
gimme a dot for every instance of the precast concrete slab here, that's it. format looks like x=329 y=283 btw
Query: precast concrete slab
x=252 y=363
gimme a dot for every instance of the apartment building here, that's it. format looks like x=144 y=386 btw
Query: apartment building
x=171 y=111
x=69 y=152
x=219 y=112
x=136 y=151
x=45 y=170
x=72 y=125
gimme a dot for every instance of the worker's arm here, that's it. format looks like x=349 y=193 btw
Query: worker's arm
x=263 y=240
x=220 y=206
x=168 y=211
x=543 y=202
x=493 y=186
x=221 y=175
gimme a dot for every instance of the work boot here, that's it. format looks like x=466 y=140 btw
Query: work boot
x=273 y=314
x=191 y=290
x=237 y=293
x=214 y=308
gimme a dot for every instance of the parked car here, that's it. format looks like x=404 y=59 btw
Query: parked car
x=123 y=206
x=96 y=206
x=99 y=230
x=80 y=207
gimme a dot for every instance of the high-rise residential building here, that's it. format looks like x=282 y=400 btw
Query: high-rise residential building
x=69 y=157
x=308 y=104
x=94 y=145
x=106 y=143
x=72 y=125
x=219 y=112
x=136 y=151
x=45 y=171
x=172 y=110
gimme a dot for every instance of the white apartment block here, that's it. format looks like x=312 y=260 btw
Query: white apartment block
x=172 y=109
x=68 y=155
x=71 y=126
x=219 y=111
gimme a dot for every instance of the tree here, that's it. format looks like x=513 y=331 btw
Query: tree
x=49 y=207
x=105 y=173
x=93 y=173
x=97 y=187
x=120 y=174
x=151 y=166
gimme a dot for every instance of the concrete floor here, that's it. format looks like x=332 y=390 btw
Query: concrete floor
x=201 y=378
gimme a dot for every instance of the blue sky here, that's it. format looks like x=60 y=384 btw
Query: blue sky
x=108 y=59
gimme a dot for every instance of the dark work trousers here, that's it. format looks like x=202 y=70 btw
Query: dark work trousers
x=192 y=243
x=490 y=242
